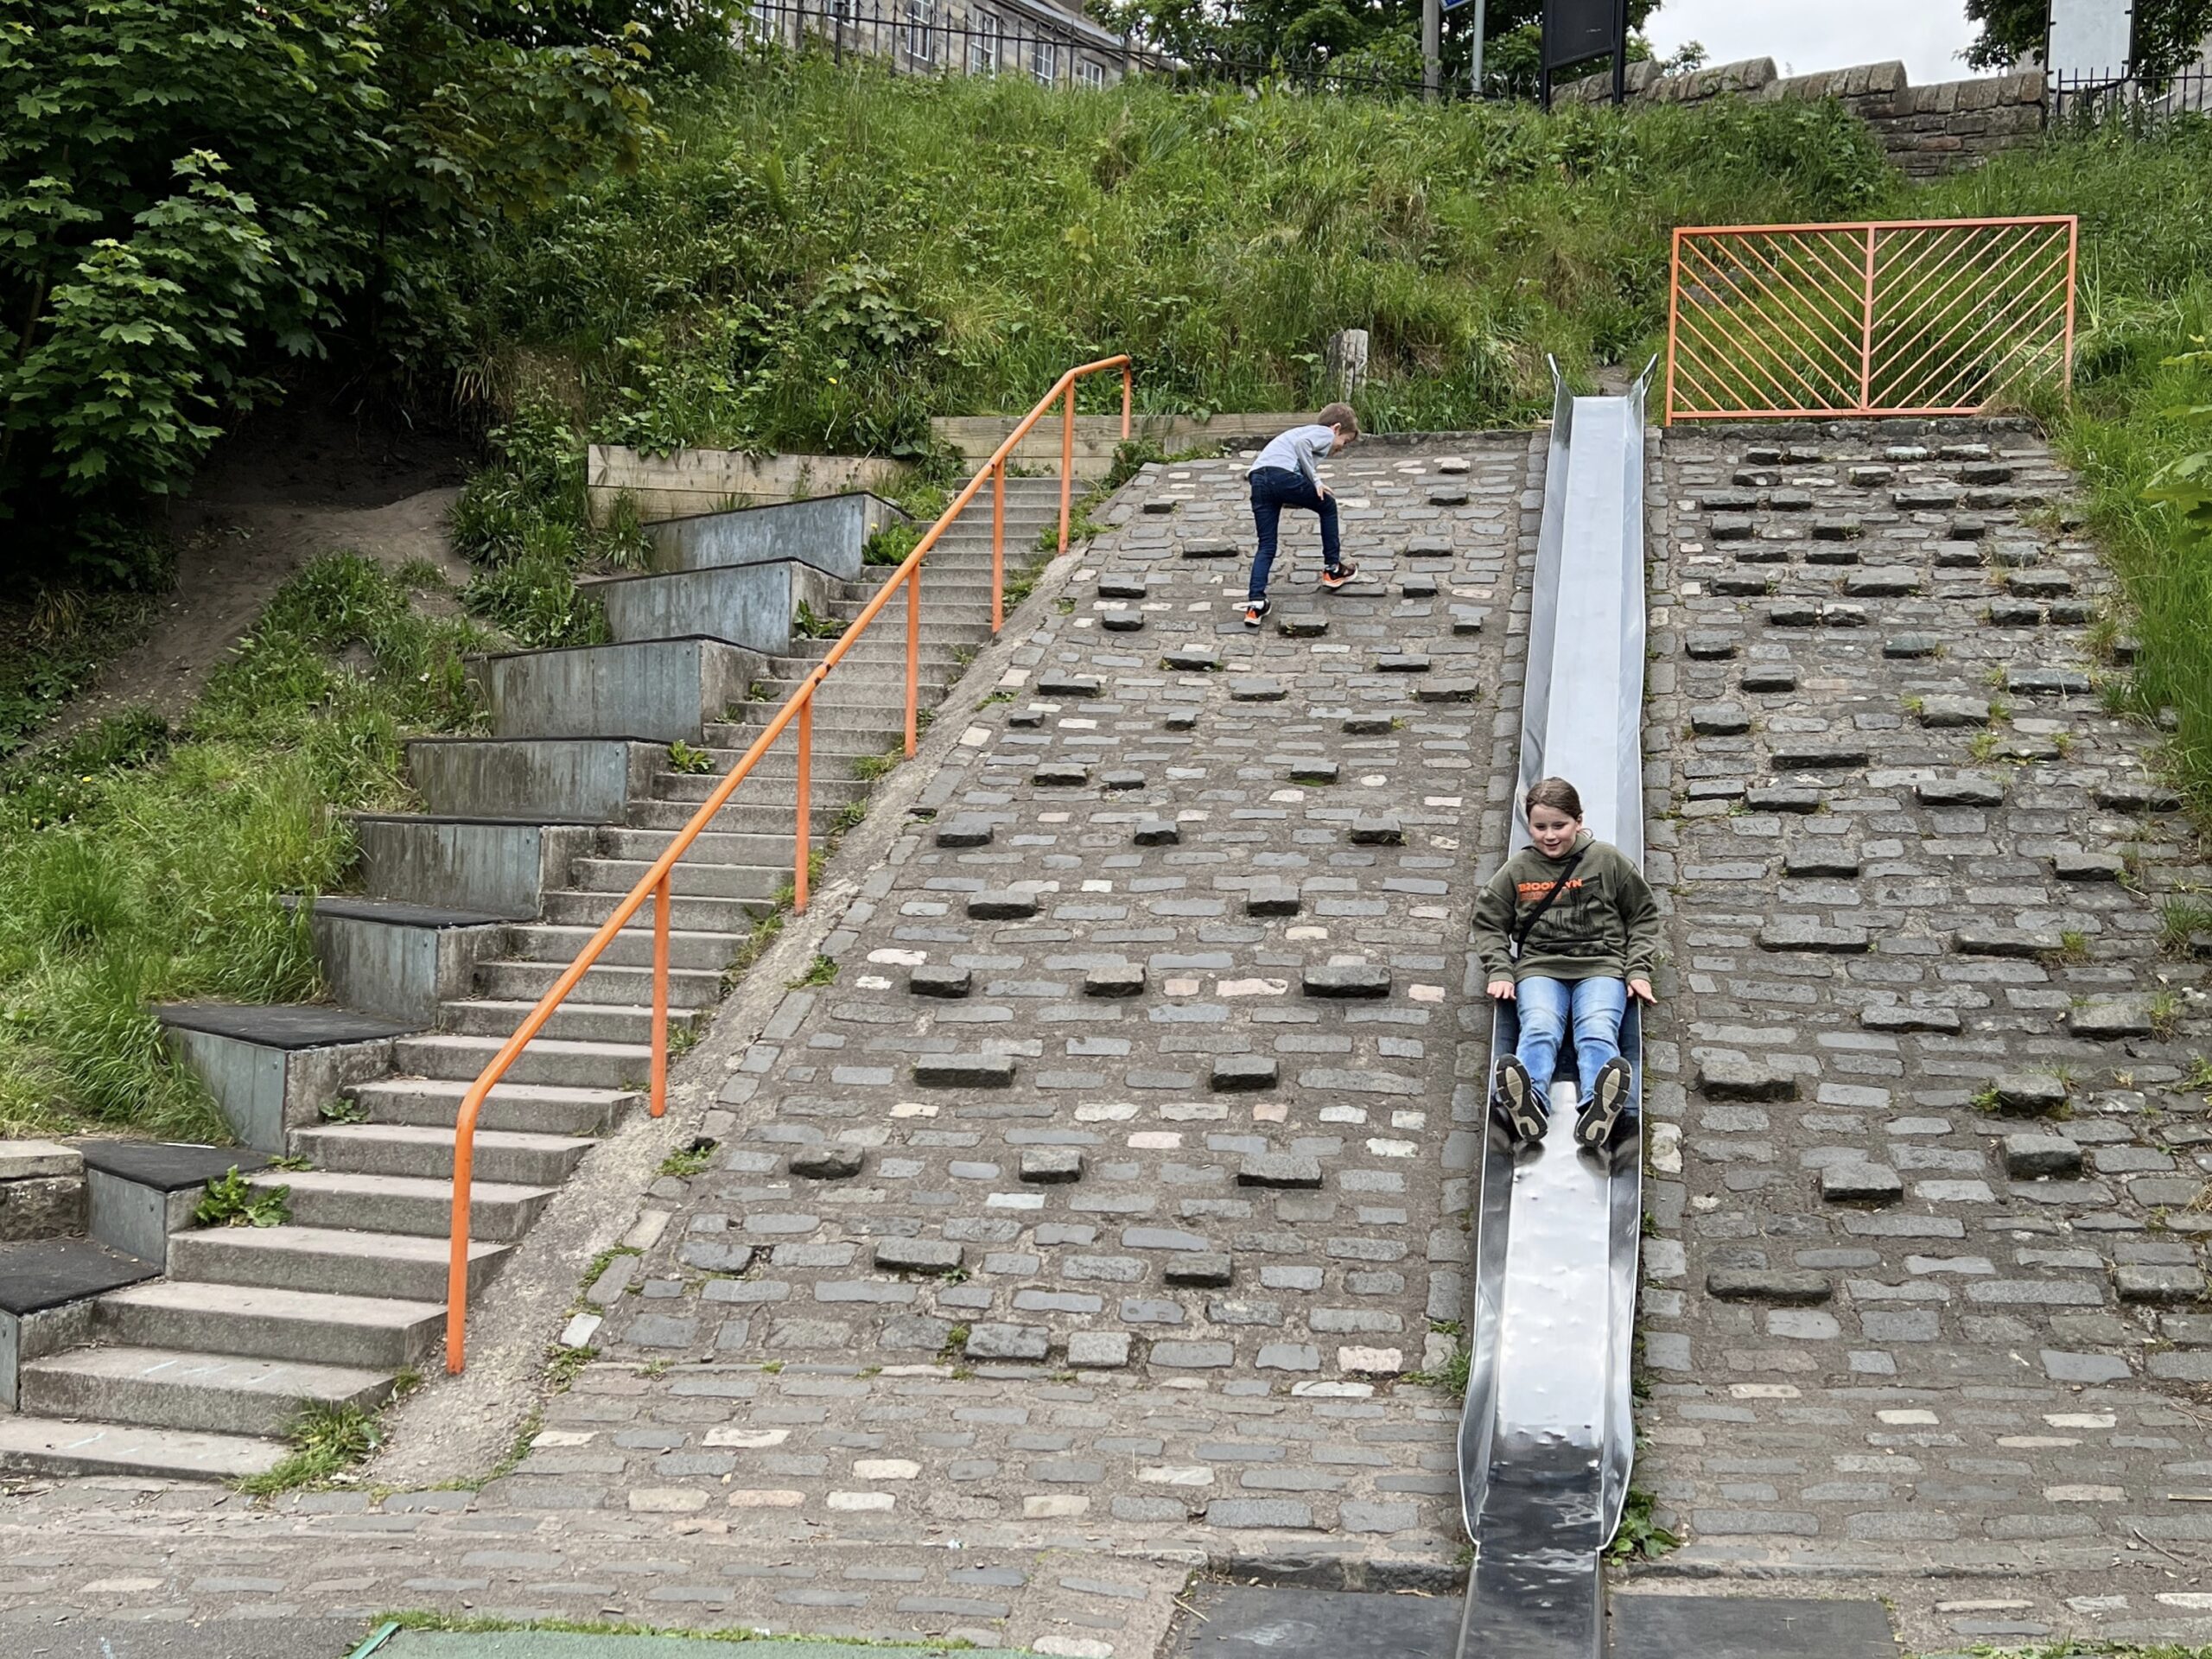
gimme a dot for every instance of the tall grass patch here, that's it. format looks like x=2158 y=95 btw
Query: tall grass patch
x=140 y=865
x=824 y=257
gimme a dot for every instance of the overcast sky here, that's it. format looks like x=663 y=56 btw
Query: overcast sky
x=1804 y=37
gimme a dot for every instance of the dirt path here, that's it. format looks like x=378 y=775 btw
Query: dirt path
x=237 y=558
x=300 y=482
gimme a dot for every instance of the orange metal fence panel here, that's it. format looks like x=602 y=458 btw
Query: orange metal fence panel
x=655 y=886
x=1912 y=317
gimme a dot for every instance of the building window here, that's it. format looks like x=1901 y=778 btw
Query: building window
x=920 y=31
x=987 y=35
x=1092 y=76
x=1045 y=60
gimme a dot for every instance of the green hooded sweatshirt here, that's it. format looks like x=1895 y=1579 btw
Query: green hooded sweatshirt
x=1605 y=926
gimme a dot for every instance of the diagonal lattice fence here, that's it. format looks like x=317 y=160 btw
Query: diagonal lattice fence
x=1917 y=317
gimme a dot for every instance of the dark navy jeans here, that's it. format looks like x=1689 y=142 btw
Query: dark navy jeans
x=1274 y=488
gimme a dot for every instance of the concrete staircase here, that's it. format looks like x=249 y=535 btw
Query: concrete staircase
x=471 y=915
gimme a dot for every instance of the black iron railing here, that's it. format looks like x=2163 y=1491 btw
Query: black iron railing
x=2100 y=100
x=975 y=37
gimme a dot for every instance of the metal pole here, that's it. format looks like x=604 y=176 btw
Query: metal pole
x=801 y=853
x=1432 y=49
x=1544 y=60
x=662 y=894
x=1067 y=465
x=998 y=547
x=913 y=656
x=1475 y=70
x=1620 y=54
x=1866 y=332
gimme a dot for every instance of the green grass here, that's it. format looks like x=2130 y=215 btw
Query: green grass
x=693 y=1160
x=327 y=1442
x=821 y=972
x=140 y=864
x=1451 y=1376
x=821 y=259
x=52 y=643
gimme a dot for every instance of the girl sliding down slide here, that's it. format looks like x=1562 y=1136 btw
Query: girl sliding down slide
x=1567 y=930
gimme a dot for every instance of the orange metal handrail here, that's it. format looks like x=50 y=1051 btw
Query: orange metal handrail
x=1752 y=309
x=657 y=882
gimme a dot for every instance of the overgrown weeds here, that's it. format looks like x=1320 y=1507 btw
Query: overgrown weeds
x=1640 y=1537
x=327 y=1441
x=140 y=865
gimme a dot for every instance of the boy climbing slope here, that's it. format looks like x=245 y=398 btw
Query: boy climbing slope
x=1284 y=476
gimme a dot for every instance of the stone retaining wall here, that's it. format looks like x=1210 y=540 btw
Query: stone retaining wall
x=1927 y=131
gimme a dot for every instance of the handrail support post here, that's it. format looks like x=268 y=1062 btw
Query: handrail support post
x=801 y=854
x=662 y=896
x=913 y=656
x=1067 y=464
x=998 y=547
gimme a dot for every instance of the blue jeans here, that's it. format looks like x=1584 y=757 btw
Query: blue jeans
x=1597 y=1007
x=1274 y=488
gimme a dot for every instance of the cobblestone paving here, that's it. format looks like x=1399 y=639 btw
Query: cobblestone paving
x=1924 y=1297
x=128 y=1551
x=1079 y=1233
x=1113 y=1183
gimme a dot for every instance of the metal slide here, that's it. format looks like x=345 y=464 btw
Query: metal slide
x=1546 y=1436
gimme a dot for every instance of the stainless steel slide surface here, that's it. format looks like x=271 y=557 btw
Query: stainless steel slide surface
x=1545 y=1434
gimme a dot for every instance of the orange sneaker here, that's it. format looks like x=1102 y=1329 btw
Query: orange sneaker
x=1343 y=577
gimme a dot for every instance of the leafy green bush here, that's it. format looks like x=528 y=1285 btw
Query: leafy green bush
x=138 y=865
x=523 y=522
x=193 y=191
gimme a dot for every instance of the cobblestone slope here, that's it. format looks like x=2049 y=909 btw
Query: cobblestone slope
x=1925 y=1295
x=1122 y=1142
x=1081 y=1231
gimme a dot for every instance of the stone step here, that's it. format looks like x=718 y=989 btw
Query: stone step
x=942 y=624
x=856 y=729
x=202 y=1393
x=743 y=814
x=256 y=1323
x=425 y=1151
x=776 y=778
x=855 y=684
x=714 y=847
x=584 y=1065
x=576 y=1019
x=578 y=913
x=46 y=1446
x=335 y=1261
x=757 y=882
x=690 y=911
x=859 y=726
x=535 y=1108
x=396 y=1203
x=833 y=779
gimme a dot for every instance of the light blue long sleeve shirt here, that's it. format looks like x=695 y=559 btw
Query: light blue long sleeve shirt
x=1297 y=451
